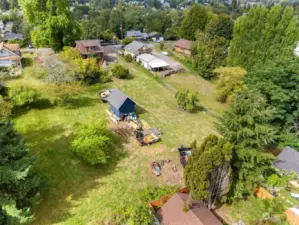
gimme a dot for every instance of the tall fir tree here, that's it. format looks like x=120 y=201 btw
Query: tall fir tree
x=208 y=172
x=19 y=181
x=247 y=122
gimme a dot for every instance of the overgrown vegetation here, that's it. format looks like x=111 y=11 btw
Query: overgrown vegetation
x=120 y=72
x=95 y=143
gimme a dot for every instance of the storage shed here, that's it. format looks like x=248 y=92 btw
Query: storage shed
x=120 y=104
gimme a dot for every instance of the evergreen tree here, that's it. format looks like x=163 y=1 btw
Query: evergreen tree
x=207 y=174
x=19 y=182
x=196 y=19
x=250 y=169
x=246 y=122
x=263 y=35
x=117 y=22
x=278 y=82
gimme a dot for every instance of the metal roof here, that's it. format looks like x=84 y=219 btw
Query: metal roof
x=116 y=98
x=134 y=33
x=146 y=57
x=134 y=46
x=158 y=63
x=288 y=160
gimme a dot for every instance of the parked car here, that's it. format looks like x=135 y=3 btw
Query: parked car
x=164 y=53
x=185 y=153
x=104 y=95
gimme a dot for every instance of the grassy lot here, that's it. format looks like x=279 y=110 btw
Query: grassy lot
x=82 y=194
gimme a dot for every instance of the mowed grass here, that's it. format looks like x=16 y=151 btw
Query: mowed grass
x=207 y=90
x=78 y=193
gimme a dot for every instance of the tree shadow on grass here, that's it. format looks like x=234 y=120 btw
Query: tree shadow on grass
x=79 y=102
x=40 y=104
x=70 y=178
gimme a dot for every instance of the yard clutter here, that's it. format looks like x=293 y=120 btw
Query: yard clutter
x=146 y=138
x=185 y=153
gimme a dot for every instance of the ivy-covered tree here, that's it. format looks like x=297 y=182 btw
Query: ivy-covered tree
x=247 y=122
x=263 y=35
x=19 y=181
x=208 y=172
x=196 y=19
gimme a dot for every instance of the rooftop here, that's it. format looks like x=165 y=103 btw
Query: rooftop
x=117 y=98
x=183 y=43
x=171 y=213
x=134 y=46
x=288 y=160
x=81 y=45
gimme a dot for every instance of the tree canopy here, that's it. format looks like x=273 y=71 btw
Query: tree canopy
x=207 y=174
x=19 y=181
x=263 y=35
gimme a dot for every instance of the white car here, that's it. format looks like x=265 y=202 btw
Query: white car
x=164 y=53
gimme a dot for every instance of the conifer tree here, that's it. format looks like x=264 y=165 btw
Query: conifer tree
x=19 y=182
x=207 y=174
x=246 y=122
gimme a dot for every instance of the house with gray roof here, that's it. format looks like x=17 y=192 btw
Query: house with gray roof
x=136 y=48
x=120 y=104
x=288 y=160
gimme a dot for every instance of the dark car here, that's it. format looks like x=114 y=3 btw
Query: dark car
x=185 y=153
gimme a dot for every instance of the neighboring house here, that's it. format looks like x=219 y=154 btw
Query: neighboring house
x=10 y=36
x=90 y=49
x=134 y=33
x=10 y=55
x=136 y=48
x=171 y=213
x=151 y=62
x=288 y=160
x=120 y=104
x=155 y=36
x=183 y=46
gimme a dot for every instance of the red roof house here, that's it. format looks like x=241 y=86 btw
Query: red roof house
x=171 y=213
x=90 y=49
x=183 y=46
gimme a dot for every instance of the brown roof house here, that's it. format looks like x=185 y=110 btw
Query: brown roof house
x=171 y=213
x=90 y=49
x=183 y=46
x=10 y=55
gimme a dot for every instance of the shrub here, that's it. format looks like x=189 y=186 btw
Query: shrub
x=187 y=100
x=23 y=96
x=128 y=58
x=120 y=72
x=5 y=108
x=94 y=143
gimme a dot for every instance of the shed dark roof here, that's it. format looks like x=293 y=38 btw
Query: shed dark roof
x=183 y=43
x=12 y=36
x=116 y=98
x=288 y=160
x=172 y=213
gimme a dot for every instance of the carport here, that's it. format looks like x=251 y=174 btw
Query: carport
x=158 y=65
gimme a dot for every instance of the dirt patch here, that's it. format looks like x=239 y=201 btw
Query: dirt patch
x=172 y=174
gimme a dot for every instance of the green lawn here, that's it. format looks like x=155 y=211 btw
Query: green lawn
x=82 y=194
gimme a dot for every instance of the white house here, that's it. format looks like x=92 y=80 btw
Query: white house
x=151 y=62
